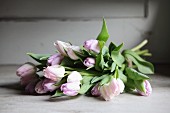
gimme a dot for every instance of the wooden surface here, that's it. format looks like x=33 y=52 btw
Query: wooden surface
x=13 y=100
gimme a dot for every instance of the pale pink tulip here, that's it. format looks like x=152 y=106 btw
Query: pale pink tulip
x=55 y=72
x=112 y=89
x=93 y=45
x=55 y=59
x=89 y=62
x=148 y=89
x=49 y=85
x=95 y=90
x=74 y=77
x=28 y=69
x=70 y=89
x=39 y=88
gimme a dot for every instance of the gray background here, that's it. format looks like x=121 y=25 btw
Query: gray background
x=33 y=25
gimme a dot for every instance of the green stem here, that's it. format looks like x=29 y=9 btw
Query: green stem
x=143 y=43
x=142 y=52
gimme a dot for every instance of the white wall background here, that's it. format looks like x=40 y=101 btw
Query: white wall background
x=23 y=31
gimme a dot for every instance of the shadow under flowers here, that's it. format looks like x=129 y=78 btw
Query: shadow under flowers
x=13 y=86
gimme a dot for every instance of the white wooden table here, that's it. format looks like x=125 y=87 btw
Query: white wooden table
x=13 y=100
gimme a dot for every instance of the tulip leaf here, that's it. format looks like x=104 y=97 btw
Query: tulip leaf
x=86 y=84
x=101 y=44
x=99 y=65
x=133 y=74
x=106 y=80
x=142 y=65
x=104 y=50
x=58 y=93
x=130 y=85
x=113 y=66
x=122 y=76
x=98 y=78
x=67 y=62
x=139 y=84
x=117 y=58
x=41 y=58
x=118 y=47
x=103 y=36
x=112 y=46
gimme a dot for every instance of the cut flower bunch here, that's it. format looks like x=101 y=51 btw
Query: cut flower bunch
x=91 y=69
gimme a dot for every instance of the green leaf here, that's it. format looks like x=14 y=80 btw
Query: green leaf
x=139 y=84
x=41 y=58
x=84 y=88
x=133 y=74
x=101 y=44
x=104 y=50
x=117 y=58
x=67 y=62
x=103 y=36
x=118 y=47
x=86 y=84
x=98 y=78
x=112 y=46
x=58 y=93
x=99 y=65
x=64 y=80
x=130 y=84
x=122 y=76
x=106 y=80
x=113 y=66
x=116 y=74
x=143 y=66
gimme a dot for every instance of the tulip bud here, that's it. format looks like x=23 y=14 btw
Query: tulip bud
x=111 y=89
x=92 y=44
x=49 y=85
x=67 y=49
x=30 y=88
x=70 y=89
x=55 y=72
x=89 y=62
x=95 y=90
x=55 y=59
x=62 y=47
x=74 y=77
x=121 y=85
x=70 y=52
x=147 y=88
x=25 y=80
x=39 y=88
x=26 y=69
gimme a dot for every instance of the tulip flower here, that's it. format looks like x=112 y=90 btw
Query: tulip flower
x=28 y=69
x=74 y=77
x=27 y=73
x=111 y=89
x=67 y=49
x=55 y=59
x=62 y=47
x=39 y=88
x=30 y=88
x=92 y=44
x=147 y=89
x=55 y=72
x=25 y=80
x=95 y=90
x=89 y=62
x=70 y=89
x=70 y=52
x=48 y=85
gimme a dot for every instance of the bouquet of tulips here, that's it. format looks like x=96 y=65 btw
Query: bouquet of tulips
x=91 y=69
